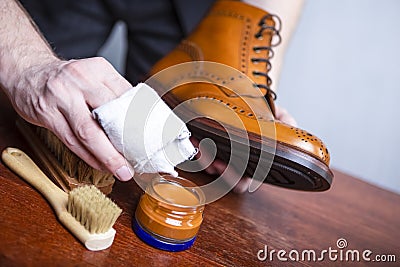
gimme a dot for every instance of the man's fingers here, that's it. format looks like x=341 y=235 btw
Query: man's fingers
x=284 y=116
x=242 y=186
x=219 y=167
x=228 y=173
x=89 y=133
x=203 y=158
x=65 y=134
x=95 y=78
x=116 y=83
x=111 y=78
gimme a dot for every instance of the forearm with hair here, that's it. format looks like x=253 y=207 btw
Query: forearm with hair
x=21 y=45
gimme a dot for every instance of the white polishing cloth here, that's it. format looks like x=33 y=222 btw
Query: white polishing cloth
x=146 y=131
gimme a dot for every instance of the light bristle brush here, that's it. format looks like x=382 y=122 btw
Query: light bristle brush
x=86 y=212
x=68 y=169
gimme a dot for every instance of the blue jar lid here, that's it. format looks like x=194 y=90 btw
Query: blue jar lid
x=158 y=243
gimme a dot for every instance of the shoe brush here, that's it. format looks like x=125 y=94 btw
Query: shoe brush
x=61 y=163
x=85 y=211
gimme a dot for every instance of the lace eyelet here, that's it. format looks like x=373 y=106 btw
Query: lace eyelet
x=271 y=30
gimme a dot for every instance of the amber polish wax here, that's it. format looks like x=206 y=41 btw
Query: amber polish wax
x=176 y=194
x=175 y=216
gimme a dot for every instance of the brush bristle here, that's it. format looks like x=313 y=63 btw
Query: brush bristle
x=96 y=212
x=72 y=164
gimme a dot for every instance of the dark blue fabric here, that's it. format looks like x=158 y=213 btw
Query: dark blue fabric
x=77 y=29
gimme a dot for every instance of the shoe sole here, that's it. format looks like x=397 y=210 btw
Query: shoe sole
x=291 y=168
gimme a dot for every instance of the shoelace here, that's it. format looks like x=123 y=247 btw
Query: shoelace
x=270 y=53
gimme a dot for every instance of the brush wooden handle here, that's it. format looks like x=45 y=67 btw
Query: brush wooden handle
x=24 y=166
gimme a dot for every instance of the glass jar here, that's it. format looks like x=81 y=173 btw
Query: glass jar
x=169 y=213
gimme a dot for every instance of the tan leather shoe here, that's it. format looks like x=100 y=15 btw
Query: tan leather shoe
x=242 y=36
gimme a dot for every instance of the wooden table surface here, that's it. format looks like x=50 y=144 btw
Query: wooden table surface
x=235 y=227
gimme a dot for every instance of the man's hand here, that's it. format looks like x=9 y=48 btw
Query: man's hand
x=60 y=96
x=57 y=94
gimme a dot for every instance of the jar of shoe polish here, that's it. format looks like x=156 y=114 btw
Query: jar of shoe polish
x=169 y=213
